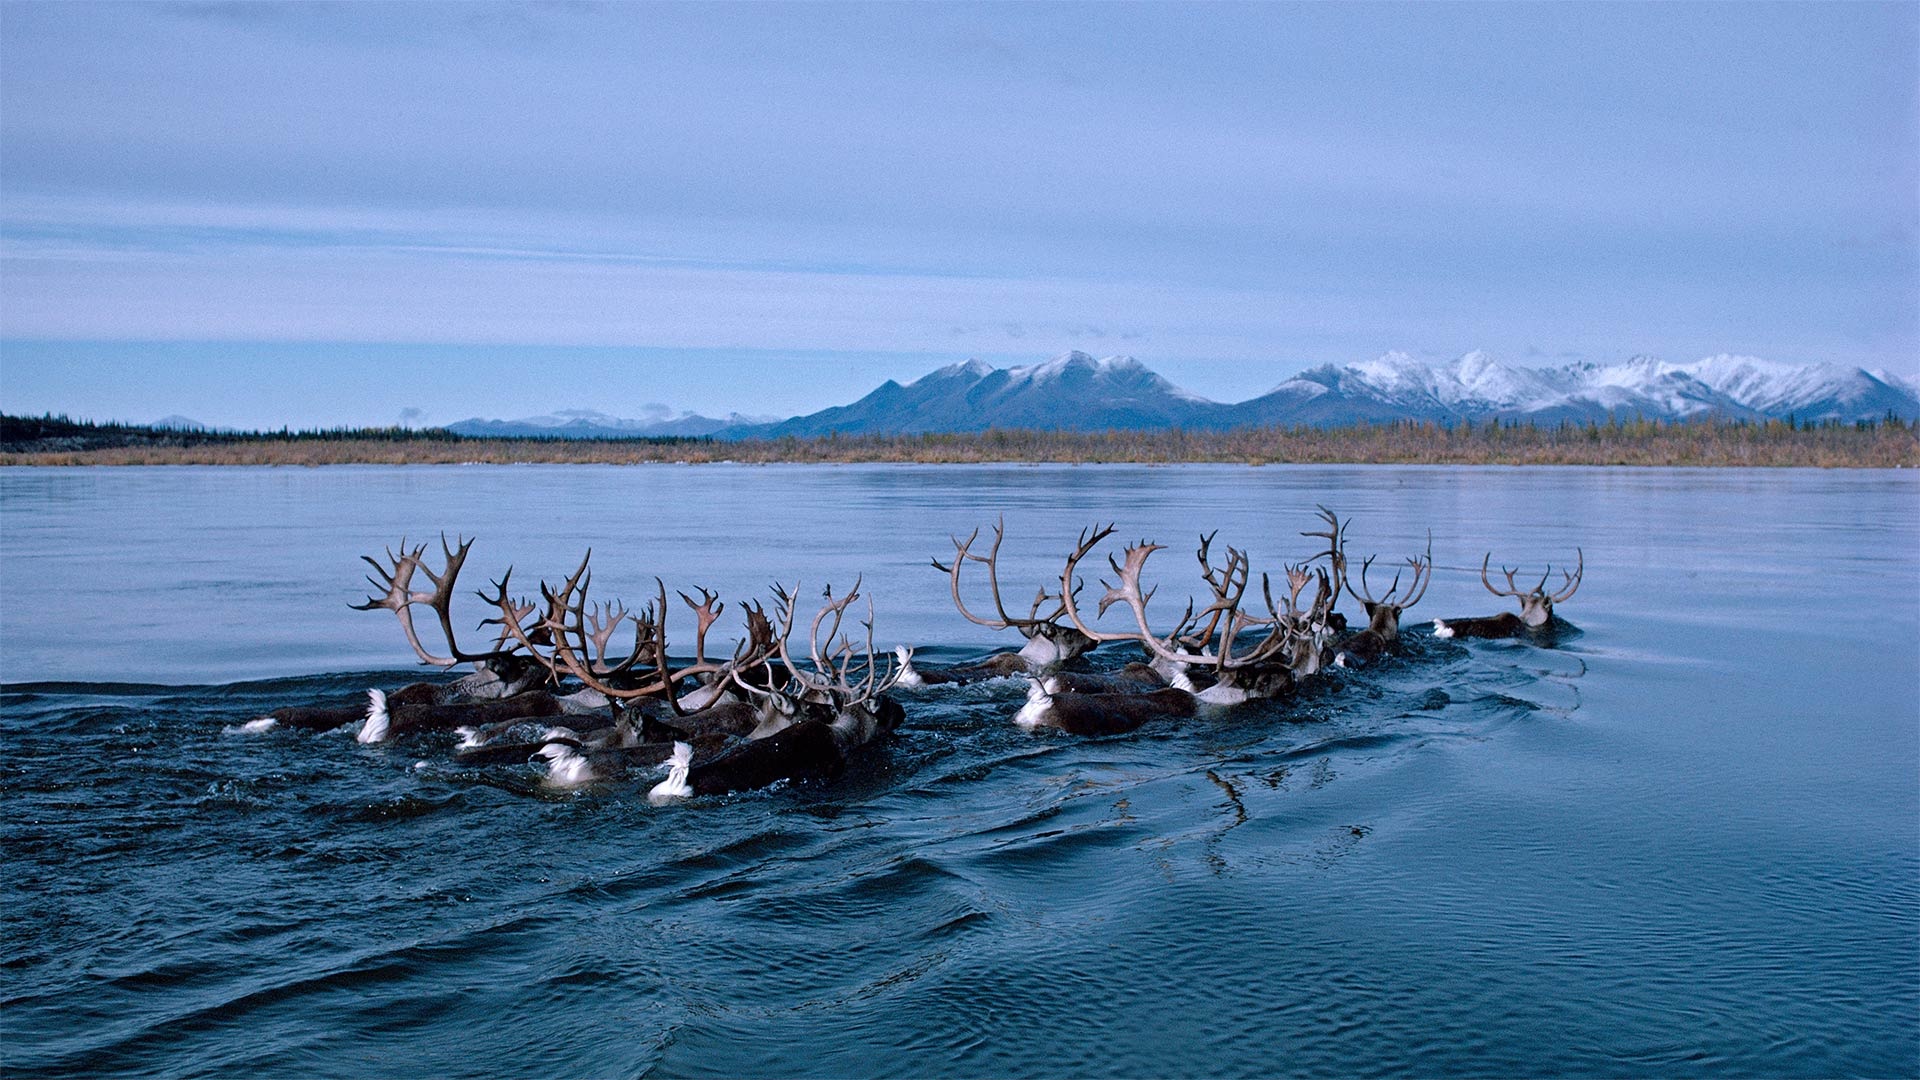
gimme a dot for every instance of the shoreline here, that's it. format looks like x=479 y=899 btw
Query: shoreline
x=1722 y=444
x=1879 y=454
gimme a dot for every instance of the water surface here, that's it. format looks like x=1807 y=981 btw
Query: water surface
x=1685 y=842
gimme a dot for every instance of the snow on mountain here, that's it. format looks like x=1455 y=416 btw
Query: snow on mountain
x=1477 y=385
x=1076 y=392
x=1470 y=382
x=656 y=421
x=1907 y=383
x=1072 y=391
x=1115 y=371
x=1811 y=392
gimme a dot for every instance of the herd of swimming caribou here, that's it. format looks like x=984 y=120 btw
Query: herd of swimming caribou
x=551 y=685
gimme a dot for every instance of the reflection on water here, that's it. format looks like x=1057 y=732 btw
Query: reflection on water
x=1683 y=842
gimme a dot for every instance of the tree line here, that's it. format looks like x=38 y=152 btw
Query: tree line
x=1889 y=441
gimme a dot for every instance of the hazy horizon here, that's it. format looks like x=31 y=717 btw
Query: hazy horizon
x=320 y=215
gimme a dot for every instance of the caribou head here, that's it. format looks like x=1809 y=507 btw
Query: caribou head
x=1050 y=642
x=1536 y=604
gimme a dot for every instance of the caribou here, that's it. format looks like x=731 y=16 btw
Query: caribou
x=551 y=687
x=1536 y=605
x=1050 y=642
x=1382 y=634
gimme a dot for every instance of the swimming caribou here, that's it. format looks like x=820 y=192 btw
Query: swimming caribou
x=551 y=688
x=1536 y=604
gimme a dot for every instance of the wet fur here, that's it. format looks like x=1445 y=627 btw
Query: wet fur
x=405 y=717
x=1103 y=714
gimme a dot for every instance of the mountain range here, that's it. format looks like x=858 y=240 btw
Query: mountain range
x=1076 y=392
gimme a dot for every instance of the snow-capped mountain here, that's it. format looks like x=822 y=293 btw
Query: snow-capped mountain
x=1814 y=392
x=1476 y=386
x=1076 y=392
x=1071 y=392
x=657 y=421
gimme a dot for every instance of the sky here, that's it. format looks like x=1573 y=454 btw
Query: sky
x=315 y=215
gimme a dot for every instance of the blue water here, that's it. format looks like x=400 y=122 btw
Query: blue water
x=1685 y=842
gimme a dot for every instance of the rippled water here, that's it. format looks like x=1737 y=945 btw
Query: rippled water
x=1684 y=842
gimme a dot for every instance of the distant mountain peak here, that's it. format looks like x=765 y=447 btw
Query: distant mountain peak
x=1076 y=391
x=973 y=369
x=1477 y=384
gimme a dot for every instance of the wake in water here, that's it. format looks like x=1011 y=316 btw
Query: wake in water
x=550 y=690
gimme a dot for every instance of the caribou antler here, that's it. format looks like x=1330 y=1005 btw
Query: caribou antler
x=831 y=677
x=1536 y=604
x=963 y=553
x=1336 y=553
x=1422 y=567
x=1228 y=583
x=397 y=580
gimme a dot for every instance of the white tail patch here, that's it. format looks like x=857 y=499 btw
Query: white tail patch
x=469 y=737
x=1441 y=629
x=375 y=727
x=565 y=765
x=1181 y=682
x=254 y=727
x=908 y=676
x=1034 y=713
x=1341 y=660
x=1221 y=693
x=675 y=786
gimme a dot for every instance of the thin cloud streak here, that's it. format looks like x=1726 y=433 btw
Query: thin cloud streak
x=1269 y=185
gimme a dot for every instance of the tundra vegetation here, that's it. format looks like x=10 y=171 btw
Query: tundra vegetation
x=1890 y=442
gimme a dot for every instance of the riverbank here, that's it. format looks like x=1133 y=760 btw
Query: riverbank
x=1889 y=445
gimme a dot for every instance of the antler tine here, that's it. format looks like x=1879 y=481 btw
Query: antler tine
x=1226 y=603
x=1128 y=591
x=872 y=684
x=1221 y=582
x=1336 y=552
x=993 y=569
x=1090 y=538
x=784 y=614
x=705 y=613
x=1422 y=575
x=1207 y=571
x=1484 y=563
x=962 y=554
x=1323 y=598
x=758 y=643
x=1297 y=578
x=1040 y=597
x=1573 y=579
x=571 y=602
x=837 y=609
x=401 y=597
x=1365 y=593
x=567 y=658
x=601 y=621
x=1512 y=589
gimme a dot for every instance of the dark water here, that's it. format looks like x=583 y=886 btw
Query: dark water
x=1685 y=842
